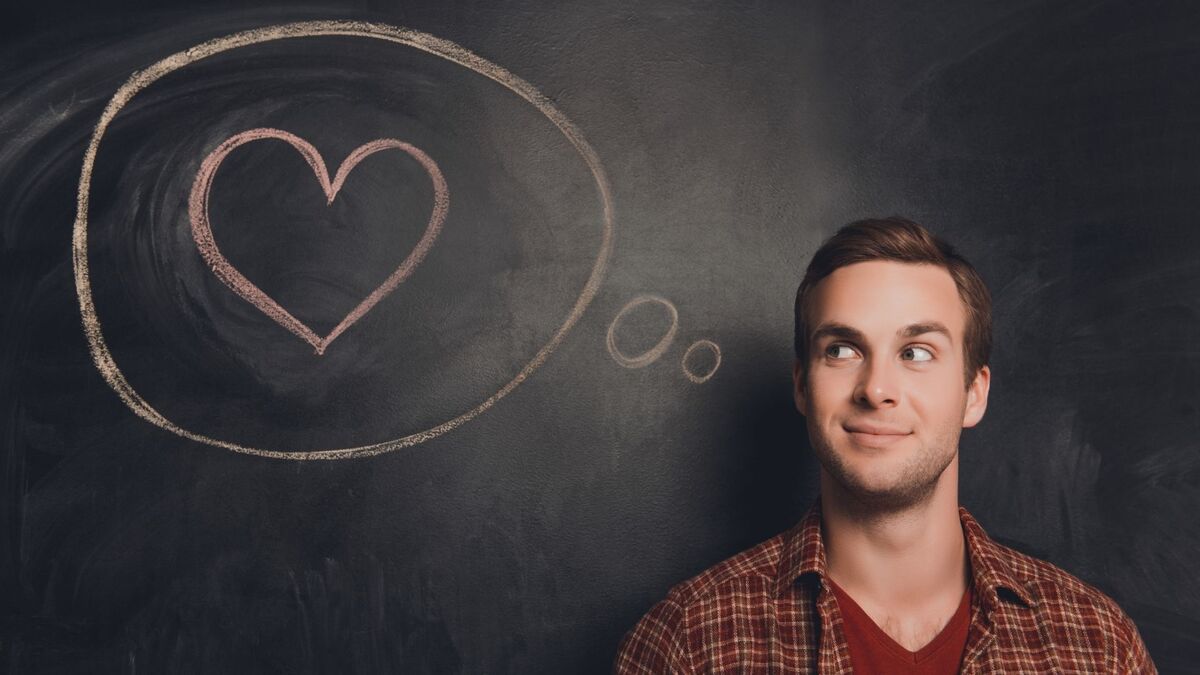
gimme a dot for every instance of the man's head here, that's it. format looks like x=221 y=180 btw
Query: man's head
x=889 y=322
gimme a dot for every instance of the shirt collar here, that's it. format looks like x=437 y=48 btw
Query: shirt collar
x=990 y=563
x=803 y=550
x=804 y=554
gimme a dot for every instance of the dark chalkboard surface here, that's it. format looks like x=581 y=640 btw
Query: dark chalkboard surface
x=446 y=337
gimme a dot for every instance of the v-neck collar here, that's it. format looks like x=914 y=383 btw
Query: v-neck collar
x=847 y=605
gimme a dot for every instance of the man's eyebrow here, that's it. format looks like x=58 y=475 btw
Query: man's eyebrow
x=837 y=330
x=913 y=330
x=843 y=332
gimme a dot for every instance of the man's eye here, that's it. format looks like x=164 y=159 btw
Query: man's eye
x=916 y=354
x=839 y=352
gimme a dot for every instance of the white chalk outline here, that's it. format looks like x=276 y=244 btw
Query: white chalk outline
x=701 y=379
x=654 y=353
x=415 y=39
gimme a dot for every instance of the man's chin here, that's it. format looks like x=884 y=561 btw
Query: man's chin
x=884 y=496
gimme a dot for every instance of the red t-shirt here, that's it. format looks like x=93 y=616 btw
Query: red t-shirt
x=874 y=651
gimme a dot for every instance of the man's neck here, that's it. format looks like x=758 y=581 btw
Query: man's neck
x=903 y=559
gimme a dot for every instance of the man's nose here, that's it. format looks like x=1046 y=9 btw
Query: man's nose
x=879 y=385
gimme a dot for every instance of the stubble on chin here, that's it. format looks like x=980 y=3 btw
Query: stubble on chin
x=913 y=484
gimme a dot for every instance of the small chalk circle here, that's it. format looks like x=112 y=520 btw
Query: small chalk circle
x=701 y=344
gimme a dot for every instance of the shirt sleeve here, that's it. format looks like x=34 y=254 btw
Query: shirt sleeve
x=656 y=643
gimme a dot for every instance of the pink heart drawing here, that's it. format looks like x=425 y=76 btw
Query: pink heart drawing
x=238 y=283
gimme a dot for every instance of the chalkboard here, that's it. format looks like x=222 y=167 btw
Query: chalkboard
x=447 y=336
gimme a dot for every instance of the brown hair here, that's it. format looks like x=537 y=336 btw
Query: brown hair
x=901 y=240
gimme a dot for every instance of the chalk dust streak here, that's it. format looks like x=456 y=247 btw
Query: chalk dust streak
x=448 y=50
x=238 y=283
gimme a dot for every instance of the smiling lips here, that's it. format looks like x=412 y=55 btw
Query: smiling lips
x=874 y=434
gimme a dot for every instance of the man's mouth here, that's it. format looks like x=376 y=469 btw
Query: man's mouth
x=875 y=434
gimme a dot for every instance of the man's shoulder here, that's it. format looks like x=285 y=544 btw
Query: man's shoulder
x=1052 y=587
x=1070 y=609
x=677 y=631
x=755 y=568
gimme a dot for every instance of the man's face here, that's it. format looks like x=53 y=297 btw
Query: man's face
x=883 y=392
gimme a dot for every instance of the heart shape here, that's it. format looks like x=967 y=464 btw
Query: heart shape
x=238 y=283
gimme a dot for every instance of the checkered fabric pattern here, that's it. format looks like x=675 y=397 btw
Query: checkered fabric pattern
x=770 y=610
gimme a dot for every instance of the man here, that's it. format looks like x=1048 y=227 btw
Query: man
x=887 y=573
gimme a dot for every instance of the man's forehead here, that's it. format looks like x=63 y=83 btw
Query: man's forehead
x=877 y=296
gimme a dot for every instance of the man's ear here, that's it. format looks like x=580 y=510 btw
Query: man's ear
x=977 y=397
x=799 y=392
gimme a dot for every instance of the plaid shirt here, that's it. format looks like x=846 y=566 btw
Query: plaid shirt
x=770 y=610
